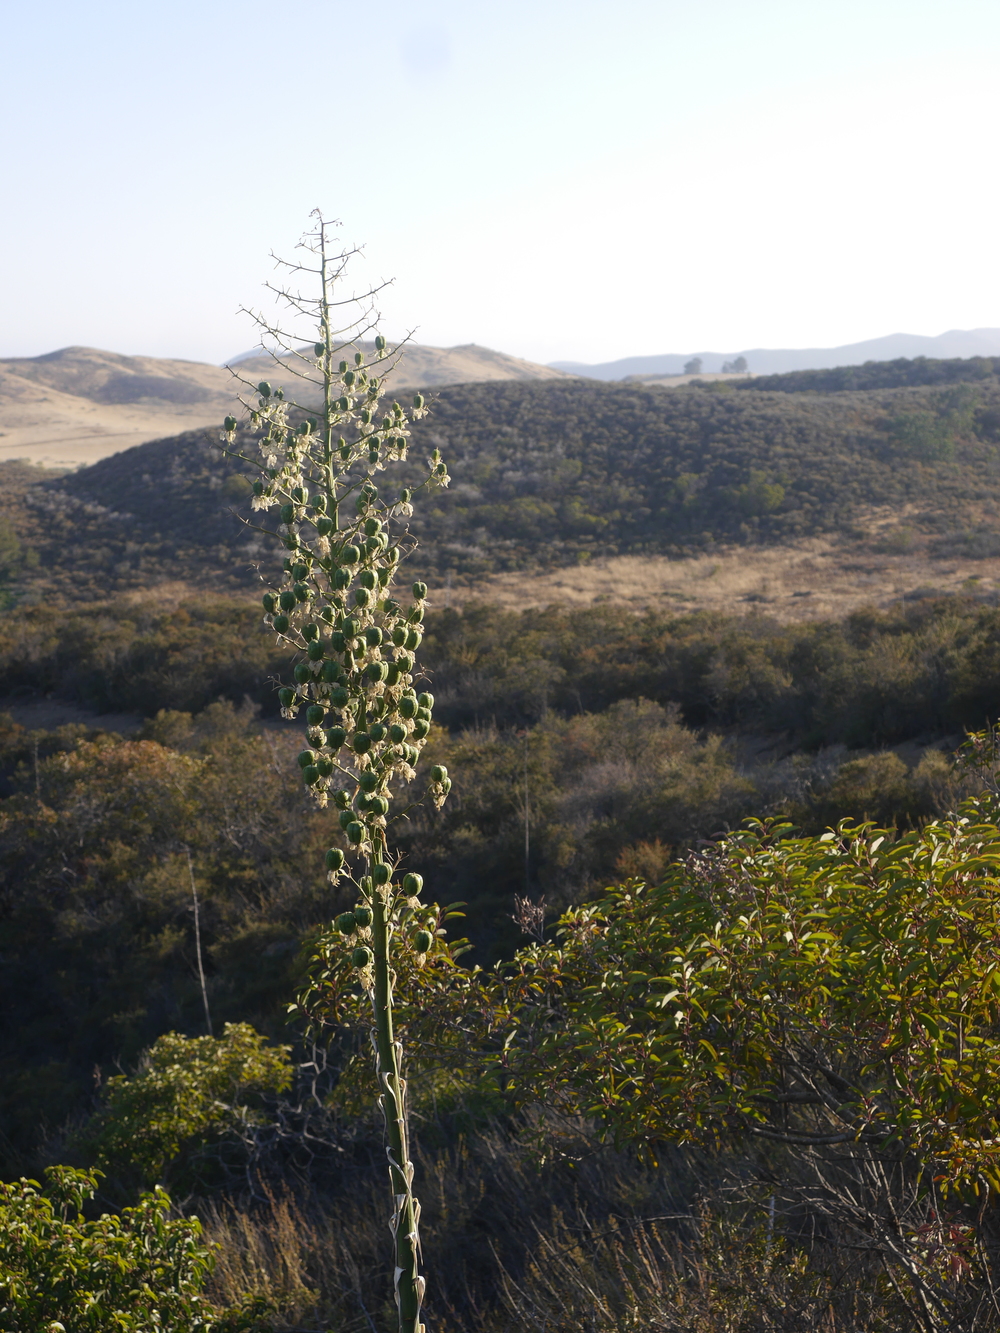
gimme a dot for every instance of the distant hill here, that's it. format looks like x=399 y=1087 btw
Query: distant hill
x=80 y=404
x=557 y=472
x=770 y=361
x=432 y=367
x=903 y=373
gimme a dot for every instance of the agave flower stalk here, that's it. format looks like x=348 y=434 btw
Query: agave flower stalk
x=317 y=450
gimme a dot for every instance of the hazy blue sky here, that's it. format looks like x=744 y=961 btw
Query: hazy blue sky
x=557 y=180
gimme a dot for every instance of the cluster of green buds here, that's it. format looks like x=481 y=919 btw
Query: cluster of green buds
x=367 y=724
x=401 y=900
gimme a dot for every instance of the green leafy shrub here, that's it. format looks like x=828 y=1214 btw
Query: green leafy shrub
x=127 y=1273
x=187 y=1093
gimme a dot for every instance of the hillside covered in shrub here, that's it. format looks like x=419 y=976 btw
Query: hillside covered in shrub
x=551 y=473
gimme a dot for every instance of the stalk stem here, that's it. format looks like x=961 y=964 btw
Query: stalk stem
x=409 y=1285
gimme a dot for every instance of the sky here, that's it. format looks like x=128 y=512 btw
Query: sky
x=557 y=179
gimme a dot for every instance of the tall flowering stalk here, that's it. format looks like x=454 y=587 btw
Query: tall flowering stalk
x=317 y=452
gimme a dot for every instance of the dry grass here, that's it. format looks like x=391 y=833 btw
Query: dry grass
x=814 y=579
x=719 y=1274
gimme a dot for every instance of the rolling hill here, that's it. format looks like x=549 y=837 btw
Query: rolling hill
x=776 y=361
x=564 y=473
x=80 y=404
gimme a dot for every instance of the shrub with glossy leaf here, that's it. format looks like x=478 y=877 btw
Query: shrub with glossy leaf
x=843 y=989
x=127 y=1273
x=188 y=1091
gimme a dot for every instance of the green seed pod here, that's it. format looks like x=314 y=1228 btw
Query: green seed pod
x=342 y=799
x=324 y=526
x=318 y=349
x=337 y=641
x=315 y=714
x=373 y=527
x=264 y=389
x=311 y=775
x=420 y=729
x=392 y=555
x=415 y=615
x=339 y=697
x=422 y=941
x=349 y=377
x=368 y=579
x=335 y=737
x=378 y=805
x=377 y=731
x=346 y=923
x=423 y=714
x=373 y=636
x=376 y=671
x=334 y=859
x=392 y=675
x=362 y=957
x=356 y=833
x=280 y=623
x=446 y=786
x=362 y=596
x=287 y=600
x=229 y=424
x=438 y=773
x=325 y=767
x=342 y=404
x=352 y=628
x=397 y=734
x=419 y=591
x=318 y=503
x=342 y=367
x=330 y=672
x=405 y=661
x=412 y=884
x=408 y=706
x=368 y=780
x=287 y=513
x=384 y=577
x=315 y=651
x=286 y=697
x=381 y=873
x=350 y=555
x=365 y=885
x=302 y=592
x=399 y=636
x=363 y=915
x=425 y=700
x=270 y=602
x=413 y=639
x=361 y=743
x=359 y=359
x=302 y=673
x=418 y=401
x=310 y=631
x=379 y=343
x=300 y=495
x=306 y=758
x=299 y=571
x=258 y=488
x=346 y=817
x=341 y=579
